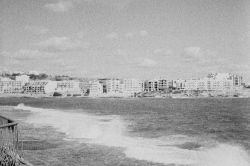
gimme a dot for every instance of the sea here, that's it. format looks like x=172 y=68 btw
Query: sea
x=181 y=132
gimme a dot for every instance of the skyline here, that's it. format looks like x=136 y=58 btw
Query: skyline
x=126 y=38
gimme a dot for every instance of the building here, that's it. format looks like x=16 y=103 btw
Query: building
x=179 y=84
x=150 y=85
x=158 y=84
x=192 y=84
x=208 y=84
x=68 y=86
x=114 y=86
x=47 y=86
x=84 y=86
x=132 y=85
x=95 y=87
x=10 y=87
x=217 y=81
x=237 y=80
x=164 y=84
x=104 y=84
x=23 y=78
x=40 y=87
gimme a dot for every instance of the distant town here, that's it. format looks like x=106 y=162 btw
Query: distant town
x=35 y=84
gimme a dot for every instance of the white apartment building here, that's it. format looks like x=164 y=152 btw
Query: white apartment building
x=10 y=86
x=23 y=78
x=95 y=87
x=40 y=87
x=68 y=86
x=237 y=80
x=179 y=84
x=157 y=84
x=114 y=86
x=47 y=86
x=193 y=84
x=218 y=81
x=208 y=84
x=84 y=86
x=132 y=85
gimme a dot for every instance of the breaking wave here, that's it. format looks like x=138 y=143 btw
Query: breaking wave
x=112 y=131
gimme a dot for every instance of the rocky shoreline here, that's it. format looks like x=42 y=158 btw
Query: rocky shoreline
x=243 y=93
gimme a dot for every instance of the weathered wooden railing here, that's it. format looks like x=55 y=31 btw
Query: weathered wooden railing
x=9 y=149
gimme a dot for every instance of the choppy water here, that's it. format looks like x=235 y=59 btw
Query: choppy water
x=195 y=132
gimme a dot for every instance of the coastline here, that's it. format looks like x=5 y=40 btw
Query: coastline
x=182 y=95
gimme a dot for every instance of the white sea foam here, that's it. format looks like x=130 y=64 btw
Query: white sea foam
x=111 y=131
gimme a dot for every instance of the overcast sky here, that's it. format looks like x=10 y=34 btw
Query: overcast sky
x=126 y=38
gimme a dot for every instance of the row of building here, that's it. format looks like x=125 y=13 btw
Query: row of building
x=130 y=86
x=22 y=84
x=218 y=81
x=213 y=82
